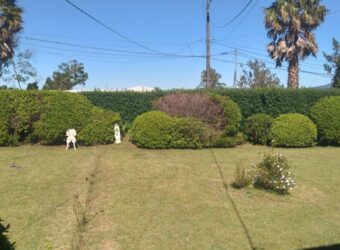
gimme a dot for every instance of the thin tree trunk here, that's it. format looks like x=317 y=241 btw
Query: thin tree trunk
x=15 y=73
x=293 y=73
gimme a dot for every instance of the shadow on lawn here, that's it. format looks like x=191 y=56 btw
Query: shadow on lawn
x=5 y=243
x=331 y=247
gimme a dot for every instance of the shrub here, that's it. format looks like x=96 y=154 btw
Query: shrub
x=272 y=174
x=241 y=178
x=26 y=108
x=224 y=141
x=61 y=112
x=257 y=128
x=4 y=118
x=232 y=114
x=326 y=115
x=188 y=133
x=196 y=105
x=293 y=130
x=152 y=130
x=19 y=110
x=100 y=130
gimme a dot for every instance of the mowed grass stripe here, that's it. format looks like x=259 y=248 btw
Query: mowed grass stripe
x=156 y=199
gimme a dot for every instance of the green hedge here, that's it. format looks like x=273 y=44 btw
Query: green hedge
x=273 y=102
x=100 y=129
x=62 y=111
x=19 y=111
x=188 y=133
x=232 y=113
x=152 y=130
x=44 y=116
x=5 y=113
x=326 y=115
x=128 y=104
x=293 y=130
x=257 y=128
x=157 y=130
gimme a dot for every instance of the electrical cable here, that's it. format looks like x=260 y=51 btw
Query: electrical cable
x=113 y=30
x=233 y=19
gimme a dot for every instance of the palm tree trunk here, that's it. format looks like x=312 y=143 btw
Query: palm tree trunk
x=293 y=73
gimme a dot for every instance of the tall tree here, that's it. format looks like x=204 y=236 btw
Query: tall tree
x=333 y=64
x=290 y=24
x=20 y=71
x=214 y=79
x=258 y=76
x=67 y=77
x=32 y=86
x=10 y=25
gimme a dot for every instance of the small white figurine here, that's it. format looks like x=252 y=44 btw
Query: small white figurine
x=117 y=134
x=71 y=137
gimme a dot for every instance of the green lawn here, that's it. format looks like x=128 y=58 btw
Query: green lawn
x=164 y=199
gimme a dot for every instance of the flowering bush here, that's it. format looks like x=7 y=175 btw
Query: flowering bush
x=272 y=174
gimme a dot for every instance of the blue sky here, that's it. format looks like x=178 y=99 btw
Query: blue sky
x=168 y=26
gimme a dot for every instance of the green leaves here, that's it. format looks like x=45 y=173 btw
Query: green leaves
x=67 y=77
x=293 y=22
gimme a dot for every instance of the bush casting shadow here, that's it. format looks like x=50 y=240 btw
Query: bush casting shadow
x=330 y=247
x=5 y=243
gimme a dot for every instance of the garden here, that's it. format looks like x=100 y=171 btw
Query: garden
x=223 y=169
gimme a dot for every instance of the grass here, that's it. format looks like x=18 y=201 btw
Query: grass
x=129 y=198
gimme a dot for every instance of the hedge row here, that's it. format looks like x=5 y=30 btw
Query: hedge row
x=128 y=104
x=273 y=102
x=44 y=117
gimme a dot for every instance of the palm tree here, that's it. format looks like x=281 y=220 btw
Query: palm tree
x=290 y=24
x=10 y=25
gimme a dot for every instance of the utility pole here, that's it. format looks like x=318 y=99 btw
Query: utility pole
x=208 y=43
x=235 y=72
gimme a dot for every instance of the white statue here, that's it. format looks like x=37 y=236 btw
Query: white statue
x=117 y=134
x=71 y=137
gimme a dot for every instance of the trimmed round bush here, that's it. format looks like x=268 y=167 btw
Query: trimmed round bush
x=62 y=111
x=231 y=112
x=218 y=111
x=326 y=115
x=152 y=130
x=188 y=133
x=257 y=128
x=293 y=130
x=100 y=130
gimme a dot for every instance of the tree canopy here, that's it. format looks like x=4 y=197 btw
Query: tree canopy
x=258 y=76
x=333 y=63
x=10 y=25
x=20 y=71
x=290 y=24
x=214 y=78
x=67 y=77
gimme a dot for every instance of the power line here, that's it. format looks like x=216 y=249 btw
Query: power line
x=112 y=30
x=255 y=51
x=93 y=48
x=284 y=68
x=250 y=10
x=84 y=46
x=234 y=18
x=163 y=57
